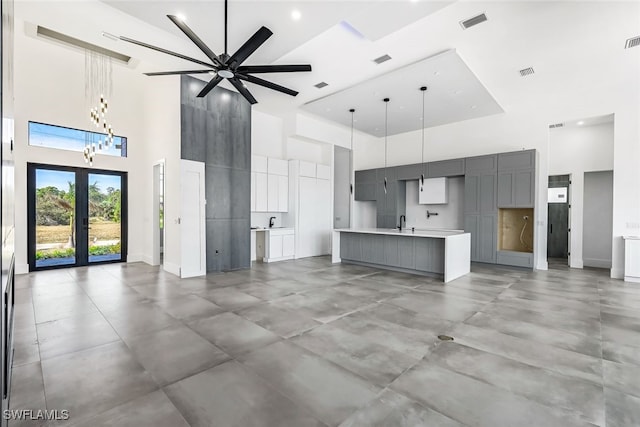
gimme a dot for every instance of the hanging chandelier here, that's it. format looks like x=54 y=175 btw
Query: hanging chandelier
x=98 y=86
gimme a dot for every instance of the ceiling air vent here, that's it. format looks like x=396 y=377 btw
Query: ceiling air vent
x=321 y=85
x=557 y=125
x=632 y=42
x=71 y=41
x=526 y=72
x=381 y=59
x=478 y=19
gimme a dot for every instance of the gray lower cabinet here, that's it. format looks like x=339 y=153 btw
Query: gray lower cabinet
x=350 y=246
x=454 y=167
x=421 y=254
x=480 y=193
x=484 y=236
x=429 y=255
x=516 y=259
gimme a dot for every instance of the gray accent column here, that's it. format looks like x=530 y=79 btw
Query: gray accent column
x=216 y=130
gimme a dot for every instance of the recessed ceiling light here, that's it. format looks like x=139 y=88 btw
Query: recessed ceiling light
x=580 y=123
x=402 y=107
x=213 y=73
x=473 y=107
x=181 y=17
x=225 y=97
x=436 y=73
x=457 y=92
x=296 y=15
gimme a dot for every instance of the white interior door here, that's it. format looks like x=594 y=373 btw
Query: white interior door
x=323 y=191
x=305 y=233
x=192 y=220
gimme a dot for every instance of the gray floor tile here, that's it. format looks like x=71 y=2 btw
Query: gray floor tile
x=230 y=395
x=233 y=334
x=443 y=306
x=368 y=359
x=189 y=307
x=153 y=409
x=27 y=387
x=174 y=353
x=328 y=392
x=91 y=381
x=474 y=402
x=393 y=409
x=623 y=410
x=59 y=307
x=138 y=319
x=280 y=321
x=230 y=299
x=73 y=334
x=622 y=377
x=577 y=397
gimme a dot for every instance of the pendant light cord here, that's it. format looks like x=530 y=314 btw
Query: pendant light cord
x=424 y=91
x=386 y=132
x=352 y=111
x=226 y=33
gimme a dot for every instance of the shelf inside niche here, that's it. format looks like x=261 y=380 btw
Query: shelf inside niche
x=510 y=224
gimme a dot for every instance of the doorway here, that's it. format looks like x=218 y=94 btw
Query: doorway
x=558 y=217
x=76 y=216
x=158 y=213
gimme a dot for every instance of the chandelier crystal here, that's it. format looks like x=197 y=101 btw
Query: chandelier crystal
x=98 y=82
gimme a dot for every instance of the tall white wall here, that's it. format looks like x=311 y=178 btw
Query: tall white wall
x=574 y=151
x=50 y=88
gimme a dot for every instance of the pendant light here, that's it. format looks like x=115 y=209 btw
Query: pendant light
x=386 y=123
x=424 y=91
x=352 y=111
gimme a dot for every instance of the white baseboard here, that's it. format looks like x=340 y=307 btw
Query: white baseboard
x=617 y=273
x=135 y=258
x=576 y=263
x=172 y=268
x=147 y=259
x=22 y=268
x=542 y=265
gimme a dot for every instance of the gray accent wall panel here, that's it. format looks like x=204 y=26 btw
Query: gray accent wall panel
x=217 y=130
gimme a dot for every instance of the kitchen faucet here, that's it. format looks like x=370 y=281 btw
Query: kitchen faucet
x=272 y=221
x=405 y=222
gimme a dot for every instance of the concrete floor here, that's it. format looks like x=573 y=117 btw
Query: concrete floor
x=306 y=343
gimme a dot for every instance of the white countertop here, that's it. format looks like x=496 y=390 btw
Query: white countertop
x=273 y=229
x=631 y=237
x=405 y=232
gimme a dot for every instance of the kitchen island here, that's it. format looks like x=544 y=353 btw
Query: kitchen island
x=446 y=253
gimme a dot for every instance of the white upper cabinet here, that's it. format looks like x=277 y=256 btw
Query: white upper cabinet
x=434 y=191
x=258 y=164
x=277 y=167
x=261 y=192
x=323 y=171
x=307 y=169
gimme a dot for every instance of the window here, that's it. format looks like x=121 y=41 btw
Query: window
x=62 y=138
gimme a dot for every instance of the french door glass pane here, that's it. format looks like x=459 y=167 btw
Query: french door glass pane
x=55 y=218
x=105 y=228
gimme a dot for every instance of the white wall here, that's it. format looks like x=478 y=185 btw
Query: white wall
x=573 y=151
x=450 y=216
x=49 y=88
x=267 y=135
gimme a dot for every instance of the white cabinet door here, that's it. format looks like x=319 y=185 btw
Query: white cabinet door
x=275 y=246
x=323 y=171
x=253 y=191
x=277 y=167
x=307 y=169
x=261 y=192
x=254 y=251
x=259 y=164
x=283 y=194
x=288 y=245
x=272 y=193
x=323 y=216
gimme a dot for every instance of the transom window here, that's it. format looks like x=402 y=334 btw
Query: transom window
x=63 y=138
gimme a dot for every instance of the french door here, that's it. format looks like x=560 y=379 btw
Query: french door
x=76 y=216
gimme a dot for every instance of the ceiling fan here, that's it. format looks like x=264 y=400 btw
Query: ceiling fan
x=227 y=67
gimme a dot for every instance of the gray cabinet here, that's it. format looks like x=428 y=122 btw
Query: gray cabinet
x=410 y=172
x=472 y=226
x=399 y=251
x=472 y=194
x=487 y=238
x=517 y=160
x=480 y=193
x=481 y=206
x=429 y=255
x=365 y=185
x=350 y=247
x=372 y=248
x=516 y=259
x=516 y=189
x=481 y=164
x=442 y=168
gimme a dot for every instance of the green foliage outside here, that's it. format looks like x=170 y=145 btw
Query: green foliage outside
x=70 y=252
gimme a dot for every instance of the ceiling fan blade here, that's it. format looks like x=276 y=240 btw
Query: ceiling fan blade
x=195 y=39
x=250 y=46
x=256 y=69
x=267 y=84
x=165 y=51
x=171 y=73
x=212 y=83
x=243 y=90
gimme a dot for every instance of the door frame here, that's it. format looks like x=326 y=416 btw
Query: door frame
x=82 y=242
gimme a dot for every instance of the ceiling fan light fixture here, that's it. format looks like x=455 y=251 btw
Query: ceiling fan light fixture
x=227 y=74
